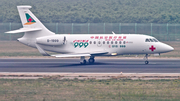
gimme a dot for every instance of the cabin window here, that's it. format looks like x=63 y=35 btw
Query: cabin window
x=103 y=42
x=115 y=42
x=124 y=42
x=111 y=42
x=107 y=42
x=90 y=42
x=119 y=42
x=94 y=42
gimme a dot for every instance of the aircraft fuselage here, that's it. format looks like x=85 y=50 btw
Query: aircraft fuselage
x=118 y=44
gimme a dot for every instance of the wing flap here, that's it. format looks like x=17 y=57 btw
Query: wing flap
x=98 y=53
x=21 y=30
x=70 y=55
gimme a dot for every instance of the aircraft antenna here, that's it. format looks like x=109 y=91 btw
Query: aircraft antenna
x=113 y=33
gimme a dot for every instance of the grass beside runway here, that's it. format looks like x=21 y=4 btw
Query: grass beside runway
x=14 y=48
x=89 y=90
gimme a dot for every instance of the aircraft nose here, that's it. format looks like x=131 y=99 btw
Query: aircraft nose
x=169 y=48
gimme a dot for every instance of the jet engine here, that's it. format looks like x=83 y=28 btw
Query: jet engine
x=51 y=40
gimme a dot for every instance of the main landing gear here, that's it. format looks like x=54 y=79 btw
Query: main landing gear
x=146 y=59
x=90 y=60
x=82 y=60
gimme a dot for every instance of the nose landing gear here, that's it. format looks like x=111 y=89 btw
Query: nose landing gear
x=146 y=59
x=146 y=62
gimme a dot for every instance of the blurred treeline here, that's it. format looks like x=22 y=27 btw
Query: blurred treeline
x=95 y=11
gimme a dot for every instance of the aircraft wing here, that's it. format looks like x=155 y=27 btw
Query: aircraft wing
x=70 y=55
x=80 y=54
x=21 y=30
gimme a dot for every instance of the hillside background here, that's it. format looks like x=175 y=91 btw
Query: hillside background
x=95 y=11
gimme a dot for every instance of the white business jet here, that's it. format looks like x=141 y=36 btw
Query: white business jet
x=87 y=45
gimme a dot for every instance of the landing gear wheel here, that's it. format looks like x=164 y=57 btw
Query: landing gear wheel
x=146 y=62
x=91 y=60
x=83 y=62
x=146 y=59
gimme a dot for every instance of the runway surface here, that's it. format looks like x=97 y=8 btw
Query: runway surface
x=100 y=66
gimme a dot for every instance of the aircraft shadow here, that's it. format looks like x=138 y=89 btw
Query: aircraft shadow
x=117 y=65
x=78 y=65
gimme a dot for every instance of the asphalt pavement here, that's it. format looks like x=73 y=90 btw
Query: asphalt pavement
x=100 y=66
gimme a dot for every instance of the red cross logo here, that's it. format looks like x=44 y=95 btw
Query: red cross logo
x=30 y=19
x=152 y=48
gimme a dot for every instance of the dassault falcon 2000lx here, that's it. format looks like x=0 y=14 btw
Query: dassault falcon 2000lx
x=87 y=45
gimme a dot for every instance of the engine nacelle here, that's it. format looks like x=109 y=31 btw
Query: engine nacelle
x=51 y=40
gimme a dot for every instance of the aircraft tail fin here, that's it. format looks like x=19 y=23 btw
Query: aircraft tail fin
x=30 y=24
x=27 y=17
x=32 y=27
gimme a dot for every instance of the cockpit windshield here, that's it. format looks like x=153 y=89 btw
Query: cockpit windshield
x=147 y=40
x=151 y=40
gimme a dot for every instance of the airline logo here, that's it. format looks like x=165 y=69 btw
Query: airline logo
x=80 y=43
x=30 y=20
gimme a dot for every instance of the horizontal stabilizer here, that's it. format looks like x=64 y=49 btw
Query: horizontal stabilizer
x=21 y=30
x=70 y=55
